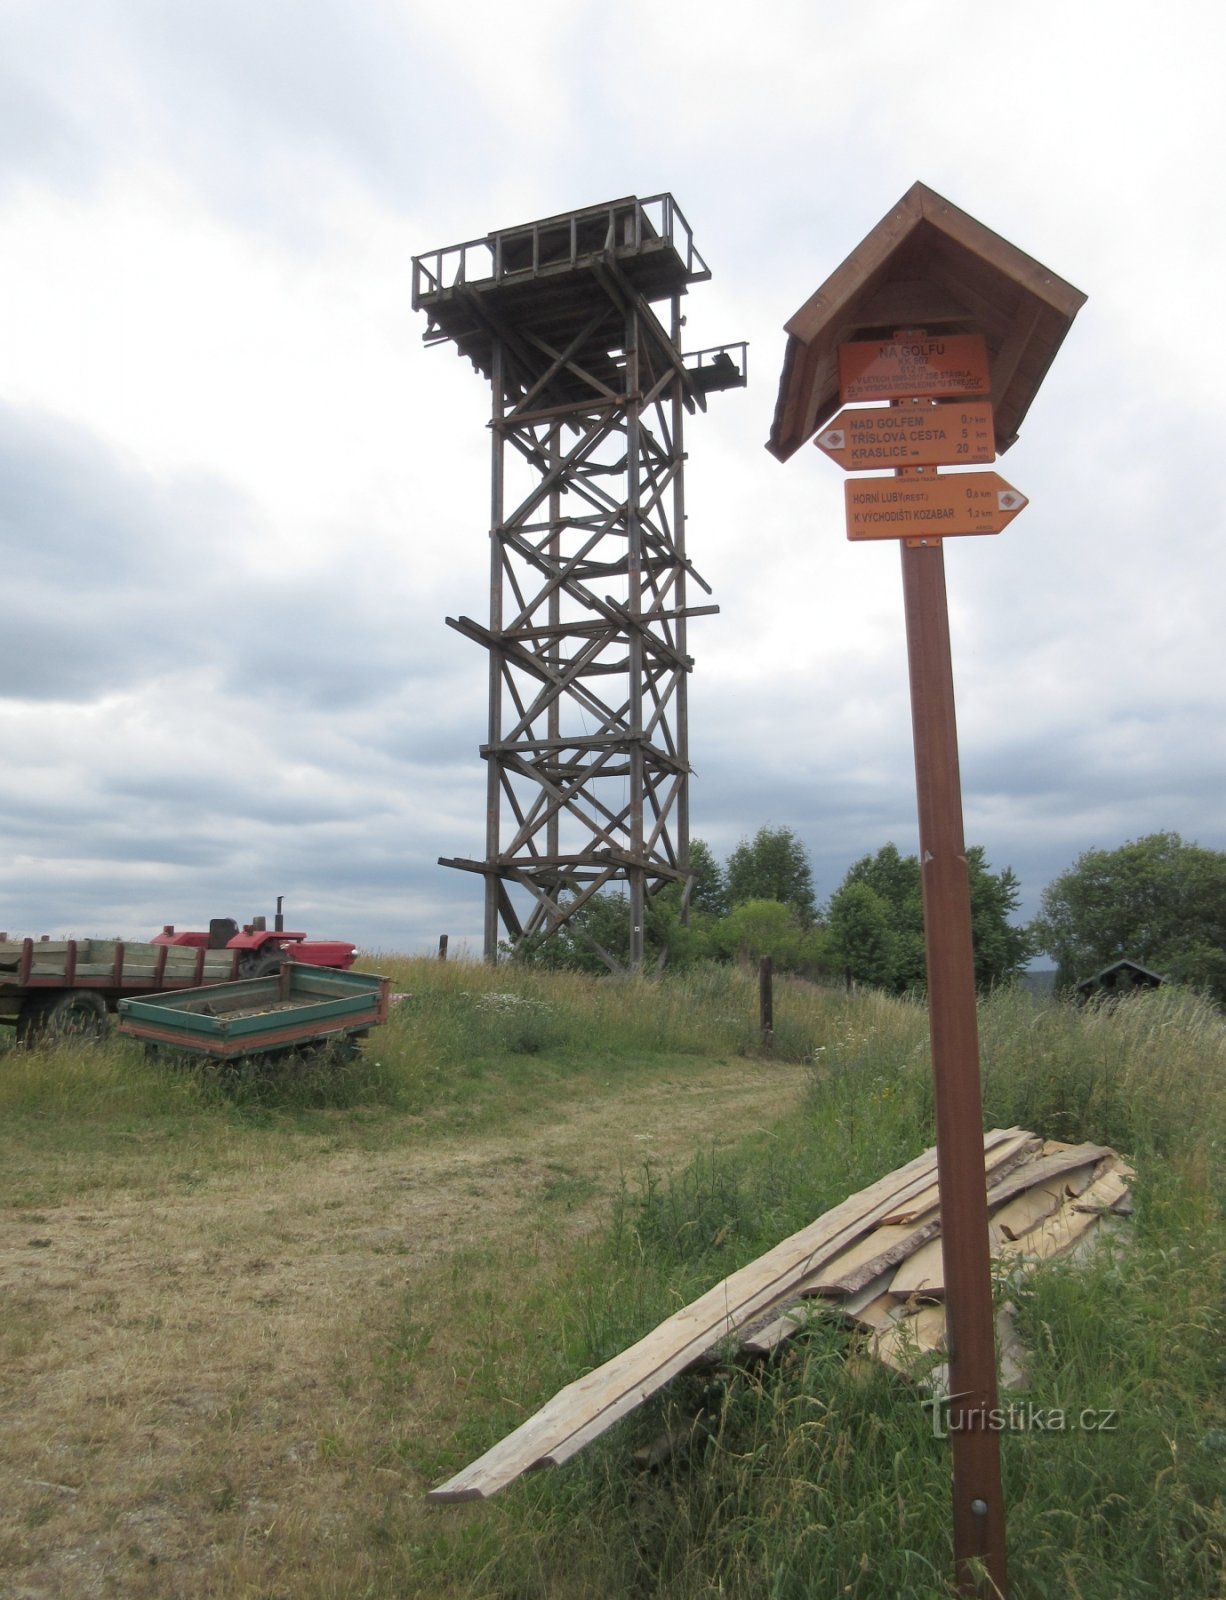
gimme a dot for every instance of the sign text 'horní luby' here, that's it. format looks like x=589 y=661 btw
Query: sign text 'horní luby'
x=930 y=507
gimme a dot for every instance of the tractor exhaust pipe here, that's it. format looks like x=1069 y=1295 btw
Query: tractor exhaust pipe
x=278 y=922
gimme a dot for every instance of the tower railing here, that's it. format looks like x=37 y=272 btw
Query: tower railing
x=559 y=244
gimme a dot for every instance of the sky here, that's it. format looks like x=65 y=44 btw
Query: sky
x=238 y=496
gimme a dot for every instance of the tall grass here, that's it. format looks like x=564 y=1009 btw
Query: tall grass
x=818 y=1474
x=456 y=1012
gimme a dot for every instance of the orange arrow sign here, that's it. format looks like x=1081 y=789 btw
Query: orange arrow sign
x=930 y=507
x=947 y=435
x=914 y=366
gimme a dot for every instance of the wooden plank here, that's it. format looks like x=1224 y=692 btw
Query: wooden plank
x=879 y=1312
x=1048 y=1207
x=1107 y=1225
x=902 y=1344
x=851 y=1305
x=763 y=1339
x=1104 y=1194
x=866 y=1307
x=1108 y=1188
x=1051 y=1237
x=1017 y=1216
x=1096 y=1186
x=53 y=952
x=902 y=1341
x=922 y=1273
x=1009 y=1155
x=1054 y=1160
x=870 y=1256
x=856 y=1307
x=587 y=1407
x=134 y=971
x=590 y=1404
x=723 y=1300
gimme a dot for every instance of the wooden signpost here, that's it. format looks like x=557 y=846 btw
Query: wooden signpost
x=919 y=507
x=993 y=320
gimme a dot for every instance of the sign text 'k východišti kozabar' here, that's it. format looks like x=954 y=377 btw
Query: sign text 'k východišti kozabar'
x=930 y=507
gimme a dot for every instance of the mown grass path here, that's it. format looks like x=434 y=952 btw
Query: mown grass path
x=193 y=1393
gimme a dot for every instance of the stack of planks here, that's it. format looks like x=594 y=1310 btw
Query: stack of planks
x=875 y=1259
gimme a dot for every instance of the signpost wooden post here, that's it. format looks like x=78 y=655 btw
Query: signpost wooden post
x=993 y=320
x=978 y=1498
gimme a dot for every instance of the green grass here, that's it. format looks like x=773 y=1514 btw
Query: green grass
x=815 y=1475
x=818 y=1474
x=467 y=1049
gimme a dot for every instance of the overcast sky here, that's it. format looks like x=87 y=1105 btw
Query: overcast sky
x=238 y=496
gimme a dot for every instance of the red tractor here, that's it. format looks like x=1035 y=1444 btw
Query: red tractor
x=262 y=949
x=67 y=986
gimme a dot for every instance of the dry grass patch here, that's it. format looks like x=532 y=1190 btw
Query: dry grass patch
x=234 y=1376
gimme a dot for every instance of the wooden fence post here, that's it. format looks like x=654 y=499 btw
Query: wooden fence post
x=766 y=1002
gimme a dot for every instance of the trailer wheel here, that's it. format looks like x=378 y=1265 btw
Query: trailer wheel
x=73 y=1014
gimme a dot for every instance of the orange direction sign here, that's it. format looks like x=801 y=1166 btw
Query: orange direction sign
x=914 y=367
x=930 y=507
x=910 y=436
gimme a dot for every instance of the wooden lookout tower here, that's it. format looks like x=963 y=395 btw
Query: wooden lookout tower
x=575 y=321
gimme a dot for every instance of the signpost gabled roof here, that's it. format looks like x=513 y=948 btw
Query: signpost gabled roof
x=926 y=265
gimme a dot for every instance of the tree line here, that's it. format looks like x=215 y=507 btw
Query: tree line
x=1155 y=900
x=761 y=902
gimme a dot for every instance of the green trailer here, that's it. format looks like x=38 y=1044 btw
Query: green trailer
x=299 y=1008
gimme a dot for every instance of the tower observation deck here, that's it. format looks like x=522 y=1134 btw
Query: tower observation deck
x=575 y=322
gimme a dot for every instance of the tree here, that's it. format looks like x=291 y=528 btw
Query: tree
x=757 y=928
x=668 y=941
x=1156 y=900
x=710 y=892
x=1002 y=949
x=603 y=918
x=862 y=937
x=876 y=921
x=895 y=880
x=775 y=866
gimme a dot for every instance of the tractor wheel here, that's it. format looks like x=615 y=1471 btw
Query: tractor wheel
x=260 y=963
x=74 y=1014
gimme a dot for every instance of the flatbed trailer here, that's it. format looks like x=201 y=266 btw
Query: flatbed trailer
x=300 y=1007
x=71 y=984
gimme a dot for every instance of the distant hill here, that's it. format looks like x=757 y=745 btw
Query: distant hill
x=1040 y=982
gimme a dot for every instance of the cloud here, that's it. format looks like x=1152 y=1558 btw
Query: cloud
x=238 y=498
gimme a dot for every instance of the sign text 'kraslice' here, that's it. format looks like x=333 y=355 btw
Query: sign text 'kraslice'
x=956 y=433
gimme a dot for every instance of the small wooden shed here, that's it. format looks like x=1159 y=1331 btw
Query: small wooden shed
x=1120 y=978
